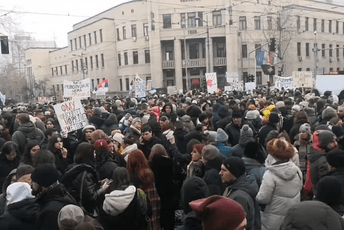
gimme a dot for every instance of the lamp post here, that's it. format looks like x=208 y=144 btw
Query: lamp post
x=315 y=56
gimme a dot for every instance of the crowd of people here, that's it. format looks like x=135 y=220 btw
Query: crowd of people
x=268 y=161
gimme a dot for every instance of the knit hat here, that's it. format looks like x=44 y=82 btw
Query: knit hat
x=335 y=158
x=211 y=135
x=45 y=175
x=280 y=149
x=118 y=137
x=252 y=107
x=18 y=191
x=235 y=165
x=221 y=135
x=329 y=190
x=218 y=212
x=322 y=127
x=136 y=119
x=255 y=151
x=296 y=107
x=334 y=120
x=89 y=127
x=305 y=128
x=280 y=104
x=101 y=145
x=325 y=137
x=304 y=103
x=246 y=131
x=252 y=114
x=338 y=130
x=70 y=217
x=210 y=152
x=273 y=118
x=236 y=114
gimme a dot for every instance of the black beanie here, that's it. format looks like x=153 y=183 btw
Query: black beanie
x=254 y=150
x=329 y=190
x=325 y=137
x=335 y=158
x=235 y=165
x=45 y=175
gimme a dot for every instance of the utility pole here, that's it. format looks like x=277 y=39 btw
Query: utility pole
x=241 y=61
x=315 y=56
x=186 y=63
x=208 y=46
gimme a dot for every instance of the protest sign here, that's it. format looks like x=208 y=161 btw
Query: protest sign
x=250 y=86
x=334 y=83
x=284 y=82
x=302 y=79
x=149 y=85
x=71 y=115
x=211 y=80
x=140 y=87
x=172 y=90
x=77 y=89
x=230 y=77
x=2 y=98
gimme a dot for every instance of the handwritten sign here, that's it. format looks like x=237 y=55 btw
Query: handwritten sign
x=77 y=89
x=172 y=90
x=284 y=82
x=211 y=81
x=71 y=115
x=140 y=87
x=303 y=79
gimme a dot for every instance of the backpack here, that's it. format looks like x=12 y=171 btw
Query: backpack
x=36 y=138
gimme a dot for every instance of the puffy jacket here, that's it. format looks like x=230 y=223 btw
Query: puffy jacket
x=319 y=167
x=280 y=190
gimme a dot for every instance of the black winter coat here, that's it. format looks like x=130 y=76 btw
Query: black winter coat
x=110 y=124
x=181 y=143
x=26 y=130
x=147 y=146
x=233 y=132
x=20 y=216
x=264 y=131
x=97 y=121
x=212 y=177
x=319 y=167
x=7 y=166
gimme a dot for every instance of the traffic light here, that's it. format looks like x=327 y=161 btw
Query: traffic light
x=272 y=46
x=4 y=45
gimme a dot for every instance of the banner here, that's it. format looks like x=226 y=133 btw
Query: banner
x=250 y=86
x=334 y=83
x=303 y=79
x=102 y=88
x=77 y=89
x=231 y=76
x=172 y=90
x=260 y=58
x=211 y=80
x=71 y=115
x=140 y=87
x=2 y=98
x=285 y=82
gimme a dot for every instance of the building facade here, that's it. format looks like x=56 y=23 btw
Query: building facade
x=176 y=42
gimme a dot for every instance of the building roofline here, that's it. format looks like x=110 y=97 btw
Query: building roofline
x=57 y=49
x=90 y=24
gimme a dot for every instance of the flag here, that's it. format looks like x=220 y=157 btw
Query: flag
x=102 y=87
x=260 y=58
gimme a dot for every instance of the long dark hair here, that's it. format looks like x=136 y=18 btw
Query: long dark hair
x=52 y=141
x=84 y=153
x=120 y=179
x=27 y=159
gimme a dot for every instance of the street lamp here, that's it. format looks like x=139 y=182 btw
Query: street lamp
x=315 y=55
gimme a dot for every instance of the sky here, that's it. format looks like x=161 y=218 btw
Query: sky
x=52 y=20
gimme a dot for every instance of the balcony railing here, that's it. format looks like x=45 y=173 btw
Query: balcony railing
x=168 y=64
x=220 y=61
x=195 y=63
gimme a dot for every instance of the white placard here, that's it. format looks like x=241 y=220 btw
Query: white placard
x=250 y=86
x=71 y=115
x=231 y=77
x=172 y=90
x=2 y=98
x=285 y=82
x=303 y=79
x=334 y=83
x=211 y=80
x=140 y=87
x=77 y=89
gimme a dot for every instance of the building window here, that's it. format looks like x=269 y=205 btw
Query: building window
x=257 y=22
x=244 y=51
x=307 y=49
x=76 y=65
x=80 y=44
x=299 y=69
x=52 y=71
x=193 y=51
x=92 y=84
x=322 y=25
x=220 y=49
x=308 y=69
x=337 y=27
x=306 y=23
x=125 y=58
x=147 y=56
x=257 y=47
x=98 y=81
x=72 y=67
x=85 y=41
x=97 y=63
x=217 y=18
x=343 y=50
x=259 y=77
x=61 y=70
x=194 y=19
x=169 y=53
x=127 y=84
x=314 y=24
x=95 y=37
x=298 y=23
x=269 y=22
x=102 y=60
x=75 y=44
x=66 y=70
x=57 y=72
x=101 y=35
x=86 y=64
x=91 y=62
x=118 y=37
x=58 y=87
x=71 y=45
x=182 y=20
x=330 y=26
x=330 y=50
x=299 y=49
x=119 y=60
x=124 y=30
x=337 y=50
x=167 y=23
x=145 y=29
x=242 y=23
x=120 y=85
x=278 y=24
x=89 y=39
x=135 y=57
x=133 y=31
x=343 y=28
x=81 y=65
x=323 y=50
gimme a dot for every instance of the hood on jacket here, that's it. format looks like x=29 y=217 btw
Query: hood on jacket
x=128 y=149
x=111 y=120
x=18 y=191
x=314 y=154
x=245 y=183
x=27 y=127
x=24 y=210
x=117 y=201
x=251 y=163
x=223 y=112
x=285 y=171
x=193 y=188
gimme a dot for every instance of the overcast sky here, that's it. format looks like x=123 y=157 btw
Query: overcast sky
x=52 y=20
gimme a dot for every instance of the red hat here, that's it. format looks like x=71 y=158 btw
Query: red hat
x=219 y=212
x=101 y=145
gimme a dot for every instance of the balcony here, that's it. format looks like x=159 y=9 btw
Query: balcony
x=194 y=63
x=220 y=61
x=168 y=64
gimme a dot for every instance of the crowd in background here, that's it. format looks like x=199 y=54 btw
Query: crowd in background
x=272 y=160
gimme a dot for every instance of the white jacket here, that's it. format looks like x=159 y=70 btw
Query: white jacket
x=280 y=190
x=117 y=201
